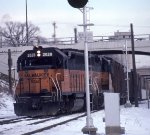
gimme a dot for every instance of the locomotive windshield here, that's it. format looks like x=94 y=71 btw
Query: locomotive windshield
x=34 y=63
x=39 y=62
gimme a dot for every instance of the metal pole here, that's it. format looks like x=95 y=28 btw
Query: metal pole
x=128 y=104
x=147 y=91
x=127 y=71
x=89 y=121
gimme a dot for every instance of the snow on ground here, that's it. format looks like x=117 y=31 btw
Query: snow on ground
x=6 y=105
x=135 y=120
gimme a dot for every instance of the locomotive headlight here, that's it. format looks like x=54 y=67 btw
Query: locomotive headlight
x=38 y=53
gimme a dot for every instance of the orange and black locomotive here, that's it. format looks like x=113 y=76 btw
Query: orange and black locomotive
x=52 y=81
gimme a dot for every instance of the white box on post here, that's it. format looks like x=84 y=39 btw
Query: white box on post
x=112 y=114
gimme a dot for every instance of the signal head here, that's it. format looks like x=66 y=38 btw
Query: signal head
x=77 y=3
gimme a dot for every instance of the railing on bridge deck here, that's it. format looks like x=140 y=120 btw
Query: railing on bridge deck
x=71 y=40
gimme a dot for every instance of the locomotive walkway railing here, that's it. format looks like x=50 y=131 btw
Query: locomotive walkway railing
x=57 y=89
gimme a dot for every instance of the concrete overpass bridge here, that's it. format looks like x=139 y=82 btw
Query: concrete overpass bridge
x=140 y=46
x=115 y=48
x=100 y=43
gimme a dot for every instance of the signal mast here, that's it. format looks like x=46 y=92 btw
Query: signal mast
x=89 y=128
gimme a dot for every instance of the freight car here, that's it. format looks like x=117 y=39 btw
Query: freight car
x=52 y=81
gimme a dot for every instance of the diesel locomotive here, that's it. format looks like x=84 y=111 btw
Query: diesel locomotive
x=52 y=81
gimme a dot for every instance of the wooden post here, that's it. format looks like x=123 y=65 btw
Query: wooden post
x=134 y=68
x=27 y=31
x=1 y=44
x=54 y=35
x=75 y=35
x=9 y=71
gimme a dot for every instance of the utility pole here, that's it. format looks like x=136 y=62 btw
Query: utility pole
x=54 y=35
x=9 y=71
x=134 y=68
x=75 y=35
x=27 y=32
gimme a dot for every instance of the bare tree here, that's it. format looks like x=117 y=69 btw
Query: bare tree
x=14 y=33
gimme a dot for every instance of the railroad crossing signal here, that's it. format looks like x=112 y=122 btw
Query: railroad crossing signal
x=77 y=3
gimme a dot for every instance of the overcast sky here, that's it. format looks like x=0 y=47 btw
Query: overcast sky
x=108 y=16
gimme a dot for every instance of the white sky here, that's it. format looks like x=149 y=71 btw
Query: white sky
x=108 y=15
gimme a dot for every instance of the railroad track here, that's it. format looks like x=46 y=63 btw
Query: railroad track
x=57 y=124
x=54 y=125
x=29 y=126
x=10 y=120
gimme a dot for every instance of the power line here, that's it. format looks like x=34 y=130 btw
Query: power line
x=60 y=23
x=95 y=24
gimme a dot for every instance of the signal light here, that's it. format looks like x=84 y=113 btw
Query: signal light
x=77 y=3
